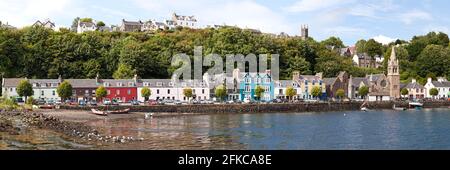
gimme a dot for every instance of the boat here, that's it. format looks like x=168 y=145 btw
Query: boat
x=124 y=111
x=416 y=105
x=148 y=115
x=365 y=109
x=398 y=108
x=98 y=112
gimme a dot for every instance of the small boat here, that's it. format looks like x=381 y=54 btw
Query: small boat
x=365 y=109
x=415 y=104
x=148 y=115
x=124 y=111
x=98 y=112
x=398 y=108
x=47 y=107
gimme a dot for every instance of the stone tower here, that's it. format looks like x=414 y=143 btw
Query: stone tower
x=304 y=32
x=394 y=76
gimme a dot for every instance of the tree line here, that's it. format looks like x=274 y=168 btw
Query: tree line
x=37 y=52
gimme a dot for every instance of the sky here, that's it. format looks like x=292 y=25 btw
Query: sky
x=350 y=20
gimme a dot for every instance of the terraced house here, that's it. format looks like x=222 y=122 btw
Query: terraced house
x=249 y=83
x=308 y=82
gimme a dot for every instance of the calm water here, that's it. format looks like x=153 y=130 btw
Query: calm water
x=385 y=129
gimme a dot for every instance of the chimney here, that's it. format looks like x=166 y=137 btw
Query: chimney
x=135 y=78
x=413 y=81
x=430 y=80
x=320 y=75
x=295 y=75
x=441 y=79
x=60 y=79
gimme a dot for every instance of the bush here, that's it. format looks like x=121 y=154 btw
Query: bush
x=8 y=104
x=30 y=101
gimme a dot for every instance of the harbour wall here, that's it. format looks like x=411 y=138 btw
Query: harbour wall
x=262 y=108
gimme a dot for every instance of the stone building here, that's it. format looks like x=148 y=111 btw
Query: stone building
x=394 y=76
x=336 y=83
x=131 y=26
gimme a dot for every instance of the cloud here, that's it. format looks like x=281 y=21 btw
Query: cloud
x=436 y=28
x=384 y=39
x=314 y=5
x=414 y=15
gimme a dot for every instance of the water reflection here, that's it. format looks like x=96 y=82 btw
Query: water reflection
x=425 y=129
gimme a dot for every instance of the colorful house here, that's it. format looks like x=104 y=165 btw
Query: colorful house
x=249 y=83
x=308 y=83
x=122 y=90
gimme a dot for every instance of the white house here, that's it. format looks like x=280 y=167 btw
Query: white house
x=442 y=85
x=281 y=86
x=162 y=89
x=86 y=26
x=184 y=21
x=43 y=88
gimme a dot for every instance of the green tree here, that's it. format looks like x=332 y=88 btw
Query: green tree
x=316 y=92
x=123 y=72
x=363 y=91
x=373 y=48
x=29 y=101
x=24 y=89
x=100 y=93
x=187 y=92
x=259 y=91
x=361 y=46
x=220 y=92
x=433 y=59
x=86 y=20
x=64 y=90
x=146 y=93
x=290 y=92
x=404 y=92
x=340 y=93
x=333 y=42
x=434 y=92
x=100 y=24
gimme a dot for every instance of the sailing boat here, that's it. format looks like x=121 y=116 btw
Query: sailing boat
x=363 y=108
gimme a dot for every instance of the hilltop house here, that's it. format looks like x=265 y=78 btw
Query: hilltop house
x=86 y=26
x=131 y=26
x=153 y=25
x=184 y=21
x=366 y=61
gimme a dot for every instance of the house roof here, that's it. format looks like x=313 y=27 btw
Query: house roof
x=83 y=83
x=441 y=84
x=114 y=82
x=356 y=81
x=131 y=22
x=87 y=24
x=414 y=85
x=11 y=82
x=329 y=81
x=283 y=83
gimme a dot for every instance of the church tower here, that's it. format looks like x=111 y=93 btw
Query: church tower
x=394 y=76
x=304 y=32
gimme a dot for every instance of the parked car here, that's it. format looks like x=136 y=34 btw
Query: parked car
x=82 y=103
x=40 y=102
x=152 y=102
x=107 y=102
x=178 y=102
x=134 y=102
x=58 y=102
x=93 y=103
x=168 y=102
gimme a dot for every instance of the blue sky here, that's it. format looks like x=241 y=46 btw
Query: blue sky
x=348 y=19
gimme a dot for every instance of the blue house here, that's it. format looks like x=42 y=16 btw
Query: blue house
x=250 y=81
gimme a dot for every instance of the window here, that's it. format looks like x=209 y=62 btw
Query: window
x=247 y=88
x=86 y=92
x=119 y=84
x=159 y=84
x=168 y=91
x=42 y=92
x=117 y=92
x=267 y=80
x=314 y=82
x=11 y=89
x=203 y=91
x=106 y=84
x=280 y=91
x=146 y=84
x=108 y=92
x=129 y=91
x=247 y=80
x=130 y=84
x=157 y=91
x=258 y=80
x=306 y=82
x=53 y=92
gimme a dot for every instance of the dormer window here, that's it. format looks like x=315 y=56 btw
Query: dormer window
x=131 y=84
x=106 y=84
x=119 y=84
x=159 y=84
x=171 y=84
x=146 y=84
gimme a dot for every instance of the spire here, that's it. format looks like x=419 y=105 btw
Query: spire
x=393 y=55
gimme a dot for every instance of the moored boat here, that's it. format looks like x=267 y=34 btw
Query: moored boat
x=98 y=112
x=124 y=111
x=398 y=108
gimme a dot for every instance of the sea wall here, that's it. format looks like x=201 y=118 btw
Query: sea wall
x=262 y=108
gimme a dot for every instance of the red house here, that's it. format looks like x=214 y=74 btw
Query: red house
x=123 y=90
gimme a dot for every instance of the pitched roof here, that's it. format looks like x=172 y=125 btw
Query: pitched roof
x=329 y=81
x=414 y=85
x=131 y=22
x=356 y=81
x=11 y=82
x=441 y=84
x=284 y=83
x=83 y=83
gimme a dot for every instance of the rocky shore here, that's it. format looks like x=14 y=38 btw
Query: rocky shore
x=76 y=130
